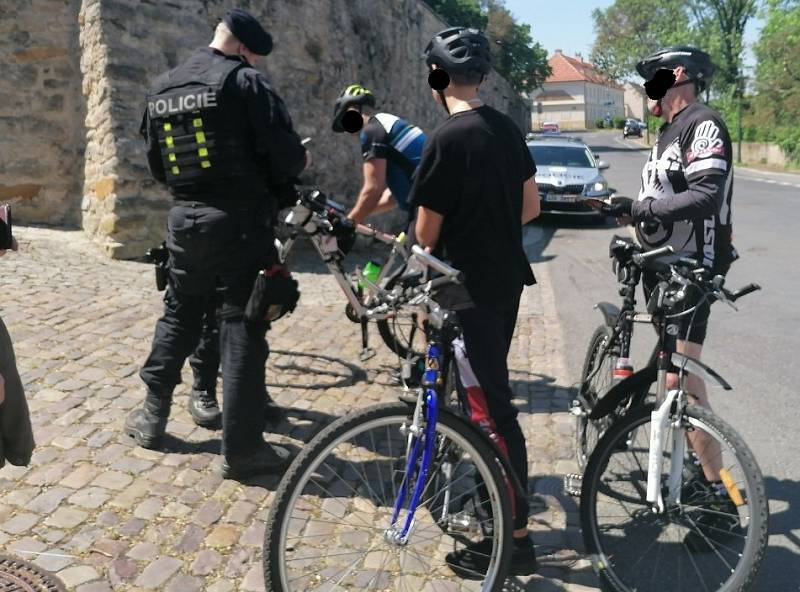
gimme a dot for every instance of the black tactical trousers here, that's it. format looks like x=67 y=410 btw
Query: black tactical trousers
x=206 y=357
x=215 y=251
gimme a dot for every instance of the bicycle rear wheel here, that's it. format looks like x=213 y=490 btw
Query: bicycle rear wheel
x=327 y=526
x=403 y=334
x=637 y=549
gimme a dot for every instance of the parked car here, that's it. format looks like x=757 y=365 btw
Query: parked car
x=551 y=127
x=567 y=172
x=632 y=128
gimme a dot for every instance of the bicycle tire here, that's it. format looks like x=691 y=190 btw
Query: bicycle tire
x=305 y=463
x=756 y=540
x=399 y=344
x=587 y=433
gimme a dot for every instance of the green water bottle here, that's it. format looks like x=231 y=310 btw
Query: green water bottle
x=371 y=271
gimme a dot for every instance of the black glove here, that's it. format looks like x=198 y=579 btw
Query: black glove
x=620 y=206
x=275 y=293
x=344 y=230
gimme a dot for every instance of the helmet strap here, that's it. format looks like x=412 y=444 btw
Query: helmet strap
x=444 y=101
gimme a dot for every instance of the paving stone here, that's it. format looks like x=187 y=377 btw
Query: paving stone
x=254 y=535
x=149 y=508
x=66 y=517
x=80 y=476
x=224 y=535
x=49 y=500
x=184 y=583
x=90 y=497
x=112 y=480
x=100 y=586
x=26 y=547
x=191 y=540
x=74 y=576
x=240 y=512
x=209 y=513
x=158 y=572
x=55 y=559
x=122 y=571
x=19 y=524
x=206 y=562
x=221 y=586
x=254 y=580
x=143 y=552
x=132 y=527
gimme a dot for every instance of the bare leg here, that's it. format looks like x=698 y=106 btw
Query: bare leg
x=705 y=447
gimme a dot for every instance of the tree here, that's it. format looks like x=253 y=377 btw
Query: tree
x=628 y=30
x=776 y=106
x=515 y=55
x=725 y=21
x=467 y=13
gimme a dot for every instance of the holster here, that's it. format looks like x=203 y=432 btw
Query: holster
x=159 y=256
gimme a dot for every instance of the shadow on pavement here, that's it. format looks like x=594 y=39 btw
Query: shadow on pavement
x=780 y=569
x=311 y=371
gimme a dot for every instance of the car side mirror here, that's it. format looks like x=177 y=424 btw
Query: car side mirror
x=596 y=155
x=602 y=165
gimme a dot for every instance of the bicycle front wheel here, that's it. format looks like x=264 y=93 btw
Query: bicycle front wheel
x=403 y=334
x=329 y=526
x=597 y=378
x=712 y=539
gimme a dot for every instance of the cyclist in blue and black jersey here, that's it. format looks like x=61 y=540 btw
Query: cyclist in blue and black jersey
x=390 y=145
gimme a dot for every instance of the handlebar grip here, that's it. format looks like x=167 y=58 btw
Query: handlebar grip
x=641 y=258
x=748 y=289
x=435 y=263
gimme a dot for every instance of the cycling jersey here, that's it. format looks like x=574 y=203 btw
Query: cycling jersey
x=689 y=177
x=400 y=143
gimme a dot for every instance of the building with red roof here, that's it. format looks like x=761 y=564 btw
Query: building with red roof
x=575 y=95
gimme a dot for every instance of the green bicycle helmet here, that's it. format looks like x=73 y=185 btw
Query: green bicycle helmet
x=354 y=95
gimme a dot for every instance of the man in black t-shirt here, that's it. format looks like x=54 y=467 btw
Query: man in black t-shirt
x=474 y=189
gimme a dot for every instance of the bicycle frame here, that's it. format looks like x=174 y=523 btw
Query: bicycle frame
x=333 y=263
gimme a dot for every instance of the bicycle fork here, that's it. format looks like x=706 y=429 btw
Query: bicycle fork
x=421 y=442
x=660 y=419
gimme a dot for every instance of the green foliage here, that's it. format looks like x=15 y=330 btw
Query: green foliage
x=599 y=123
x=628 y=30
x=515 y=55
x=618 y=122
x=465 y=13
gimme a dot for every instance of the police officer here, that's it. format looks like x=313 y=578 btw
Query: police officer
x=221 y=140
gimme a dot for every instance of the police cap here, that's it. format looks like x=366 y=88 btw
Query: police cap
x=249 y=31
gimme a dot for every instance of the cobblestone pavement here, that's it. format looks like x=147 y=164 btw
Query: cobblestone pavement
x=104 y=514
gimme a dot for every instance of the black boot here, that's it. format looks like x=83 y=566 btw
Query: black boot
x=148 y=424
x=204 y=409
x=273 y=412
x=265 y=459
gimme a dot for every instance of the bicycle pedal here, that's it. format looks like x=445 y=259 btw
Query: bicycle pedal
x=366 y=354
x=572 y=484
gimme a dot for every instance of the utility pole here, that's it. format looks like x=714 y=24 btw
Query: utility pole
x=740 y=92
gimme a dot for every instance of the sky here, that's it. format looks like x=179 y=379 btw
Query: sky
x=568 y=24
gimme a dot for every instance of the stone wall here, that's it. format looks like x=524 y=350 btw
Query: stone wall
x=320 y=47
x=41 y=110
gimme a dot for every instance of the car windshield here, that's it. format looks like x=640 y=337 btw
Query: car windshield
x=565 y=156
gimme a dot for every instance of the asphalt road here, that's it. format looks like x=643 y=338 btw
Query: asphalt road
x=755 y=349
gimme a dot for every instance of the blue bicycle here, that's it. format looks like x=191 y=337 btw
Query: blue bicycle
x=384 y=496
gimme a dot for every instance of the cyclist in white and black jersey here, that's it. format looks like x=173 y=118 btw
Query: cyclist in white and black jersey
x=685 y=202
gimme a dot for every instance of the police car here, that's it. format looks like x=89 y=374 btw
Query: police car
x=567 y=172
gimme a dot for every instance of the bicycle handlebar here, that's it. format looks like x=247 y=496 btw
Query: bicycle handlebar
x=642 y=258
x=748 y=289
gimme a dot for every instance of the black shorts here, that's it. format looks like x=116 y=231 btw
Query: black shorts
x=691 y=327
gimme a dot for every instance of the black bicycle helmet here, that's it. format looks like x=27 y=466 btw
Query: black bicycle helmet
x=697 y=63
x=354 y=95
x=459 y=50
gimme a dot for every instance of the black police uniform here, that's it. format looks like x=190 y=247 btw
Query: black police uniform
x=219 y=138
